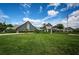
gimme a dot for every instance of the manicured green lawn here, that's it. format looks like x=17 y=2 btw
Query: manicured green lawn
x=39 y=44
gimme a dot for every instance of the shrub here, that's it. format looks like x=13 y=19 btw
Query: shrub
x=10 y=30
x=36 y=31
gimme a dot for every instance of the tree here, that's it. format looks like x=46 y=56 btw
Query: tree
x=60 y=26
x=9 y=25
x=76 y=30
x=2 y=27
x=44 y=26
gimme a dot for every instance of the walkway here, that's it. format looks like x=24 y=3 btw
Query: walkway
x=10 y=34
x=74 y=34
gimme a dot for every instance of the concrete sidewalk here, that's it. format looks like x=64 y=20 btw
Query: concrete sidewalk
x=10 y=34
x=74 y=34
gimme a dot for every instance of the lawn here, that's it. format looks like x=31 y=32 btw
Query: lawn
x=39 y=44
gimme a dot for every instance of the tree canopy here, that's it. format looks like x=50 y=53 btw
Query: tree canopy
x=60 y=26
x=3 y=26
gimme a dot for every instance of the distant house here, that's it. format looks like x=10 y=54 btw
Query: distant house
x=27 y=26
x=55 y=29
x=13 y=28
x=47 y=27
x=69 y=29
x=10 y=29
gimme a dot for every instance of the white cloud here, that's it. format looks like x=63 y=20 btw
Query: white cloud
x=31 y=20
x=26 y=13
x=73 y=21
x=46 y=18
x=70 y=5
x=35 y=22
x=63 y=9
x=53 y=4
x=39 y=22
x=25 y=8
x=75 y=13
x=26 y=5
x=41 y=8
x=52 y=12
x=17 y=23
x=3 y=17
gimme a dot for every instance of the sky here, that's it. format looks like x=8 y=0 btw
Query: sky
x=39 y=13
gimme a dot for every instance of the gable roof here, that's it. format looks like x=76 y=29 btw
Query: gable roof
x=48 y=24
x=22 y=24
x=28 y=22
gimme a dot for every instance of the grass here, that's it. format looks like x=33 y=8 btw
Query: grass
x=39 y=44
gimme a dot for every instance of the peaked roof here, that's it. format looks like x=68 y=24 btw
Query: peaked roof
x=23 y=24
x=48 y=24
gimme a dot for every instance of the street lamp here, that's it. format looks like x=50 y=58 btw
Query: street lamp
x=67 y=22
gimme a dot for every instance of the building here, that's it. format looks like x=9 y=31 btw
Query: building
x=68 y=29
x=27 y=26
x=47 y=27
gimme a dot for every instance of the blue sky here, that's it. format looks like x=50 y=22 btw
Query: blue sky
x=38 y=13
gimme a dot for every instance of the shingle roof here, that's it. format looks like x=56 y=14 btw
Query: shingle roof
x=48 y=24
